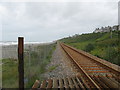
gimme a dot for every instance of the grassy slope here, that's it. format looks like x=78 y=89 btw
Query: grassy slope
x=105 y=47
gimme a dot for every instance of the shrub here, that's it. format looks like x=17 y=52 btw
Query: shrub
x=112 y=55
x=89 y=47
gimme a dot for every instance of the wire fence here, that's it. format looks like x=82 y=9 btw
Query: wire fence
x=36 y=57
x=0 y=67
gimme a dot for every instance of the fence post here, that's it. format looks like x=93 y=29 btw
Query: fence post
x=21 y=62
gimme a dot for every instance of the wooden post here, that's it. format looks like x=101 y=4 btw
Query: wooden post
x=21 y=62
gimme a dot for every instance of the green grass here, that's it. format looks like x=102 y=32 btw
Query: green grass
x=9 y=73
x=0 y=73
x=106 y=36
x=80 y=45
x=52 y=68
x=105 y=47
x=39 y=58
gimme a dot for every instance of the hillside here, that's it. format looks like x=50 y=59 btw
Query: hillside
x=103 y=45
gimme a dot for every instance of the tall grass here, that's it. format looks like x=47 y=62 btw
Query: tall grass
x=35 y=61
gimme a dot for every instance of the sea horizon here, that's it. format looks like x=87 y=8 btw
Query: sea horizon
x=5 y=43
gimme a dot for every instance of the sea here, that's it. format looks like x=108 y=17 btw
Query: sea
x=4 y=43
x=7 y=48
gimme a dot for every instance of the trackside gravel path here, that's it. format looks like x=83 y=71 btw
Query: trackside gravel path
x=62 y=63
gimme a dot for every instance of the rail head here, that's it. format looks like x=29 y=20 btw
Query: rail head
x=83 y=72
x=112 y=67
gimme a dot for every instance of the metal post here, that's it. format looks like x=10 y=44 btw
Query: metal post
x=29 y=62
x=21 y=62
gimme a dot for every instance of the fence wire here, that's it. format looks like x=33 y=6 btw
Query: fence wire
x=36 y=57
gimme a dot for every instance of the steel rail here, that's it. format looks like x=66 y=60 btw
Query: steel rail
x=92 y=83
x=85 y=65
x=109 y=66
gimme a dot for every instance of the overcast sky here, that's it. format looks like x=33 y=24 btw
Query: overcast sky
x=48 y=21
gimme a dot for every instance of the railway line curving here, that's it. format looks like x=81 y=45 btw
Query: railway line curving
x=93 y=72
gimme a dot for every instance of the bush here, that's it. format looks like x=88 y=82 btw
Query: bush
x=89 y=47
x=112 y=55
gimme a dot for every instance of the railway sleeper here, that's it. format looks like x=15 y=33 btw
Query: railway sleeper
x=116 y=78
x=102 y=85
x=50 y=83
x=108 y=82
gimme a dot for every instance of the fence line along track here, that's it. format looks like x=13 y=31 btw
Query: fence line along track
x=93 y=69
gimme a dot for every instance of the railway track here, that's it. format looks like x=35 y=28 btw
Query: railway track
x=93 y=72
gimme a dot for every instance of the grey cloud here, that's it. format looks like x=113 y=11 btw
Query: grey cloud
x=40 y=21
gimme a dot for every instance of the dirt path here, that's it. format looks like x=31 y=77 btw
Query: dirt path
x=62 y=64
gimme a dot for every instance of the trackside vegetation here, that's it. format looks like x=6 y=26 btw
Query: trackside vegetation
x=35 y=61
x=103 y=45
